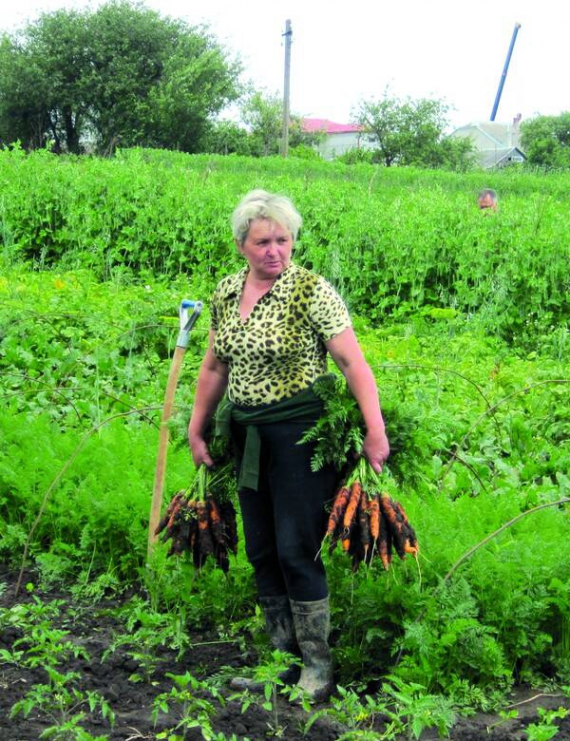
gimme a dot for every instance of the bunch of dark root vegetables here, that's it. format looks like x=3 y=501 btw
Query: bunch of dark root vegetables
x=367 y=521
x=202 y=519
x=364 y=518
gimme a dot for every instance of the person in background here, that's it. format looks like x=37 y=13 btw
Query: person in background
x=487 y=199
x=272 y=326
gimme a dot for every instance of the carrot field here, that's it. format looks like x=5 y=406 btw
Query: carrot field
x=463 y=317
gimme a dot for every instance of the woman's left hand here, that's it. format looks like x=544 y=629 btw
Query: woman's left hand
x=376 y=448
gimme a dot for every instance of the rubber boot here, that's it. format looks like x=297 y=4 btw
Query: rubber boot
x=279 y=627
x=312 y=628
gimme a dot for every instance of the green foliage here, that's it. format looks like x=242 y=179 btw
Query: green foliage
x=193 y=710
x=396 y=243
x=546 y=141
x=269 y=675
x=337 y=435
x=545 y=729
x=23 y=117
x=64 y=704
x=463 y=320
x=120 y=74
x=303 y=152
x=359 y=714
x=411 y=132
x=417 y=710
x=406 y=710
x=227 y=137
x=262 y=114
x=42 y=645
x=470 y=630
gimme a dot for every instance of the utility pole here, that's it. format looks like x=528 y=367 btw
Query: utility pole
x=285 y=134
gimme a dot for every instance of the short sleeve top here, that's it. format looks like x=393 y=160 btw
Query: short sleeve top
x=279 y=350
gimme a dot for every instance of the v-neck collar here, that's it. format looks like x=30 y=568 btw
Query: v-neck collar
x=235 y=284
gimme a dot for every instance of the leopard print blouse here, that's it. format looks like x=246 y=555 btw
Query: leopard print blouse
x=279 y=349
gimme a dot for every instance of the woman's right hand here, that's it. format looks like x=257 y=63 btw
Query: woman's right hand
x=199 y=451
x=376 y=448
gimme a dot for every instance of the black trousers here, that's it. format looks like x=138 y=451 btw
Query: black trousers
x=285 y=520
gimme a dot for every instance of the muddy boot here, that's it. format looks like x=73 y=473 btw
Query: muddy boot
x=312 y=628
x=279 y=626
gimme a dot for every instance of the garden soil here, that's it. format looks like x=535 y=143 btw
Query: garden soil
x=110 y=672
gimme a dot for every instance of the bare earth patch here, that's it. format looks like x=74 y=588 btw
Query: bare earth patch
x=129 y=687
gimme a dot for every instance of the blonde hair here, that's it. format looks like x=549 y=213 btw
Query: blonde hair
x=260 y=204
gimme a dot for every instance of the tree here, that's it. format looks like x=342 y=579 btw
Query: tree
x=263 y=115
x=37 y=94
x=546 y=140
x=119 y=74
x=411 y=132
x=228 y=137
x=22 y=116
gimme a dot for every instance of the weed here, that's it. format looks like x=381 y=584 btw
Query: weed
x=545 y=729
x=188 y=701
x=64 y=704
x=402 y=709
x=268 y=674
x=359 y=714
x=416 y=710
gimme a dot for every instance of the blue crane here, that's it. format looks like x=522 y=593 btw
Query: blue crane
x=505 y=70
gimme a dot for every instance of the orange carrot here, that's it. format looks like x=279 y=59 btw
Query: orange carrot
x=409 y=548
x=162 y=523
x=164 y=520
x=176 y=548
x=223 y=561
x=384 y=547
x=175 y=510
x=193 y=533
x=337 y=511
x=216 y=522
x=411 y=534
x=387 y=504
x=395 y=524
x=354 y=499
x=374 y=506
x=401 y=512
x=205 y=540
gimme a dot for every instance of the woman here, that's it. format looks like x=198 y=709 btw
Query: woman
x=272 y=325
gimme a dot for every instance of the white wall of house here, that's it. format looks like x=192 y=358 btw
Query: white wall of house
x=337 y=144
x=496 y=144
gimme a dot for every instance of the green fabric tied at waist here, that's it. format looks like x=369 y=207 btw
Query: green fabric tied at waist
x=305 y=405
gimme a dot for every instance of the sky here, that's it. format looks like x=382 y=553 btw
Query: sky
x=343 y=53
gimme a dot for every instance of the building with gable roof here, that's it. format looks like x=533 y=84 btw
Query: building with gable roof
x=340 y=138
x=496 y=144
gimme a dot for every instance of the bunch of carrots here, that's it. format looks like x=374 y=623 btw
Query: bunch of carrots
x=197 y=522
x=367 y=521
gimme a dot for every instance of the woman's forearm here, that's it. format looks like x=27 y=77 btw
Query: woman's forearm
x=362 y=384
x=210 y=388
x=348 y=356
